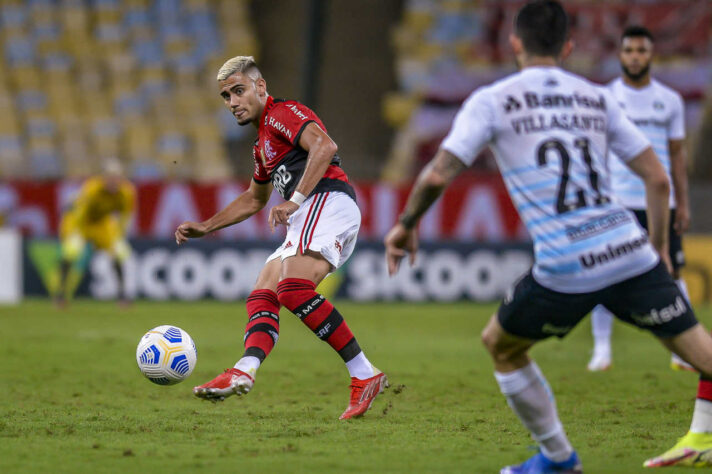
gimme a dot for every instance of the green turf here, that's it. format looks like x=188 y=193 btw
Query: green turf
x=73 y=400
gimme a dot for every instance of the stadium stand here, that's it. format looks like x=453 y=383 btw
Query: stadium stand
x=82 y=81
x=444 y=49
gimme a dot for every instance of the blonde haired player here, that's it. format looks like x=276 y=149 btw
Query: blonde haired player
x=294 y=155
x=99 y=215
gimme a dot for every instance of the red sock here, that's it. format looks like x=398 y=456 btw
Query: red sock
x=704 y=390
x=262 y=329
x=319 y=315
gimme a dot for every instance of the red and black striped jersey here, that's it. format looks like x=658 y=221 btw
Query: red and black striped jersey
x=278 y=156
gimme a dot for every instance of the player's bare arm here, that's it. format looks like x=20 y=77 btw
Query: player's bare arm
x=678 y=170
x=657 y=192
x=431 y=182
x=247 y=204
x=321 y=150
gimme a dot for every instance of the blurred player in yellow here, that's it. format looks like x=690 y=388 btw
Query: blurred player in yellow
x=99 y=215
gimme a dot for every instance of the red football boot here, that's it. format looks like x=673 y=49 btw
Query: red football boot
x=363 y=393
x=231 y=382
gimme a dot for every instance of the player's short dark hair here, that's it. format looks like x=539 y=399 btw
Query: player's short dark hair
x=637 y=31
x=542 y=26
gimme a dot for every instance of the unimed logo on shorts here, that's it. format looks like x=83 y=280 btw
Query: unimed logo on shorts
x=592 y=259
x=662 y=316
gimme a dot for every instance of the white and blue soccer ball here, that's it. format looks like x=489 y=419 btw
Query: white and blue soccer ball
x=166 y=355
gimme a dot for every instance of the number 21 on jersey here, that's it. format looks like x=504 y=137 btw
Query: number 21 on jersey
x=546 y=149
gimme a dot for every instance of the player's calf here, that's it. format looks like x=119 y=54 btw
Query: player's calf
x=319 y=315
x=694 y=345
x=262 y=330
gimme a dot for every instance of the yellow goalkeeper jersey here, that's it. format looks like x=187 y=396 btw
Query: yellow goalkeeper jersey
x=95 y=202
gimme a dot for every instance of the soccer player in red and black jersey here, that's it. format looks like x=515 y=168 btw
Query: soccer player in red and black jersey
x=294 y=155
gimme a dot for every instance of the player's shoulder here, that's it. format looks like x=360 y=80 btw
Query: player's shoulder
x=290 y=107
x=484 y=95
x=542 y=78
x=127 y=187
x=581 y=83
x=93 y=184
x=666 y=92
x=509 y=83
x=614 y=84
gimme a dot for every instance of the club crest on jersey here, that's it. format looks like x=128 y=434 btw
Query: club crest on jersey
x=269 y=152
x=657 y=105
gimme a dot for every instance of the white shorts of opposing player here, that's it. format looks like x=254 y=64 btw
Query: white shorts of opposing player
x=326 y=223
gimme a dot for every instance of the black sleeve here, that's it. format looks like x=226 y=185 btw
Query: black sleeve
x=295 y=142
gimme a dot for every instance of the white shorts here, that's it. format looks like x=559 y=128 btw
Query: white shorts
x=327 y=223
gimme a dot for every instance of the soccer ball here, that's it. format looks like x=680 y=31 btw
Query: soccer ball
x=166 y=355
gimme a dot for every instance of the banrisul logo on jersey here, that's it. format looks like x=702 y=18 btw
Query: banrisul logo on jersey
x=549 y=101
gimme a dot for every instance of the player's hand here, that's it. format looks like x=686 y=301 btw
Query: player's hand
x=682 y=220
x=189 y=230
x=398 y=241
x=280 y=214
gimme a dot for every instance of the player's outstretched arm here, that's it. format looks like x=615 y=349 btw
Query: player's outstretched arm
x=431 y=182
x=678 y=171
x=247 y=204
x=321 y=150
x=657 y=192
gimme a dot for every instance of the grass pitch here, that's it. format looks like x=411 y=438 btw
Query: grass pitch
x=73 y=399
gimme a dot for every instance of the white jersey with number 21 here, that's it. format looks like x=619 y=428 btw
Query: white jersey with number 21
x=551 y=131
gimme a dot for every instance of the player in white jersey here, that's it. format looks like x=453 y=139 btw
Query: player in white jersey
x=658 y=112
x=551 y=131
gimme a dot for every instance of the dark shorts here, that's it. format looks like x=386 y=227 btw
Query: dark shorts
x=649 y=301
x=677 y=257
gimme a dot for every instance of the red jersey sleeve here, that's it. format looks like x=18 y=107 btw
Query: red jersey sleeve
x=261 y=175
x=289 y=118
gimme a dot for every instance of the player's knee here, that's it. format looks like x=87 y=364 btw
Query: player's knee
x=501 y=350
x=72 y=247
x=491 y=341
x=121 y=250
x=293 y=292
x=487 y=340
x=288 y=298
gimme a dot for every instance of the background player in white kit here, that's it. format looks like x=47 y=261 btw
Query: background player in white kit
x=550 y=131
x=658 y=112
